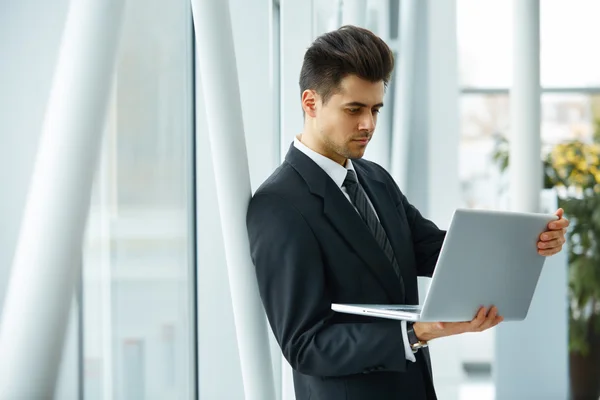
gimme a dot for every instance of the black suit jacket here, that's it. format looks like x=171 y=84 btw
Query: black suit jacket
x=310 y=249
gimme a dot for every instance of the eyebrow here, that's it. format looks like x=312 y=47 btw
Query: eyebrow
x=359 y=104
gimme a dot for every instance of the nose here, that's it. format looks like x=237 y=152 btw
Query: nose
x=367 y=122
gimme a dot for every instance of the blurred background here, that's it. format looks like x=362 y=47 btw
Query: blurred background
x=154 y=277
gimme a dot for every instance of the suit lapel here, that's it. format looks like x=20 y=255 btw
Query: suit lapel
x=342 y=215
x=388 y=216
x=350 y=225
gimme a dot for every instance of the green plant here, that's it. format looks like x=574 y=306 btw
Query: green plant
x=573 y=168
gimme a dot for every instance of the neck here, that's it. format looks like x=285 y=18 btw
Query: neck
x=311 y=141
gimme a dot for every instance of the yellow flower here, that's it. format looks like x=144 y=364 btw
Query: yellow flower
x=582 y=165
x=575 y=177
x=559 y=161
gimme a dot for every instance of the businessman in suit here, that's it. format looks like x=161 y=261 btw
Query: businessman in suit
x=328 y=226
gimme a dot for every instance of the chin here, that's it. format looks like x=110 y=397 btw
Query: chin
x=357 y=155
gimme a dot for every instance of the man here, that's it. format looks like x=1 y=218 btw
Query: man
x=329 y=227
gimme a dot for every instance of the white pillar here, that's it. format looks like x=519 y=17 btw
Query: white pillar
x=216 y=57
x=443 y=137
x=296 y=20
x=538 y=369
x=379 y=149
x=443 y=106
x=426 y=139
x=525 y=166
x=254 y=39
x=218 y=349
x=354 y=12
x=47 y=261
x=404 y=92
x=296 y=30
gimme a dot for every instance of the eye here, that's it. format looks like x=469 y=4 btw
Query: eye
x=376 y=111
x=353 y=110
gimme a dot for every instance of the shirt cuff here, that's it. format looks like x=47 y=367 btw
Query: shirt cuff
x=410 y=356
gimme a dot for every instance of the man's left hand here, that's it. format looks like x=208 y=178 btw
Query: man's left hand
x=552 y=240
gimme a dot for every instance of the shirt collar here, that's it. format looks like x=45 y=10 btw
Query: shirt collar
x=335 y=171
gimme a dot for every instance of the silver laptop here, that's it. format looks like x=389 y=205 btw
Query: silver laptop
x=488 y=258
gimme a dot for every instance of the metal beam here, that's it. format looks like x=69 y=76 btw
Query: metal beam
x=552 y=90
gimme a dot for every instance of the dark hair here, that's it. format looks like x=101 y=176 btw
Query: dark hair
x=349 y=50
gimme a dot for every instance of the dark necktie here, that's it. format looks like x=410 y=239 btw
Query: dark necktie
x=360 y=201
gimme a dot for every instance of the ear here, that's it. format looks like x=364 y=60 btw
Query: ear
x=309 y=102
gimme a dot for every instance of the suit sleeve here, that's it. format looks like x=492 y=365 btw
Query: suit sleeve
x=291 y=277
x=427 y=239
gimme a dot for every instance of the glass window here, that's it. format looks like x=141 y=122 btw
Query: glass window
x=568 y=32
x=484 y=34
x=485 y=123
x=138 y=260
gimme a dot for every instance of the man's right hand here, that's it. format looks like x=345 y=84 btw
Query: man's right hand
x=484 y=320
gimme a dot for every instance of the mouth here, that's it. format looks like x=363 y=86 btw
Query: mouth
x=362 y=140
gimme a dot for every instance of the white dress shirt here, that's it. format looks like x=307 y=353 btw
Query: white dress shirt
x=338 y=174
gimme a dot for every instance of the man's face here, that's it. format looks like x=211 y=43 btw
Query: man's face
x=345 y=124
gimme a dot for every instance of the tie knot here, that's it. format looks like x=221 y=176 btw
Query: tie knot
x=350 y=178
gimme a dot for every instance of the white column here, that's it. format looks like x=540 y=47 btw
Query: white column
x=47 y=261
x=525 y=166
x=217 y=343
x=538 y=369
x=379 y=149
x=354 y=12
x=443 y=101
x=443 y=188
x=426 y=139
x=296 y=30
x=216 y=57
x=253 y=37
x=252 y=24
x=296 y=19
x=404 y=92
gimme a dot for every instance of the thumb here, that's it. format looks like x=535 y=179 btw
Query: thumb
x=560 y=212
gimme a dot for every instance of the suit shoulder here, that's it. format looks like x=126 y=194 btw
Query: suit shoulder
x=286 y=184
x=375 y=170
x=281 y=179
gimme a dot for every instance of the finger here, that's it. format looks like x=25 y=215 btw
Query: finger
x=560 y=224
x=548 y=253
x=498 y=319
x=478 y=320
x=552 y=244
x=489 y=320
x=560 y=212
x=550 y=235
